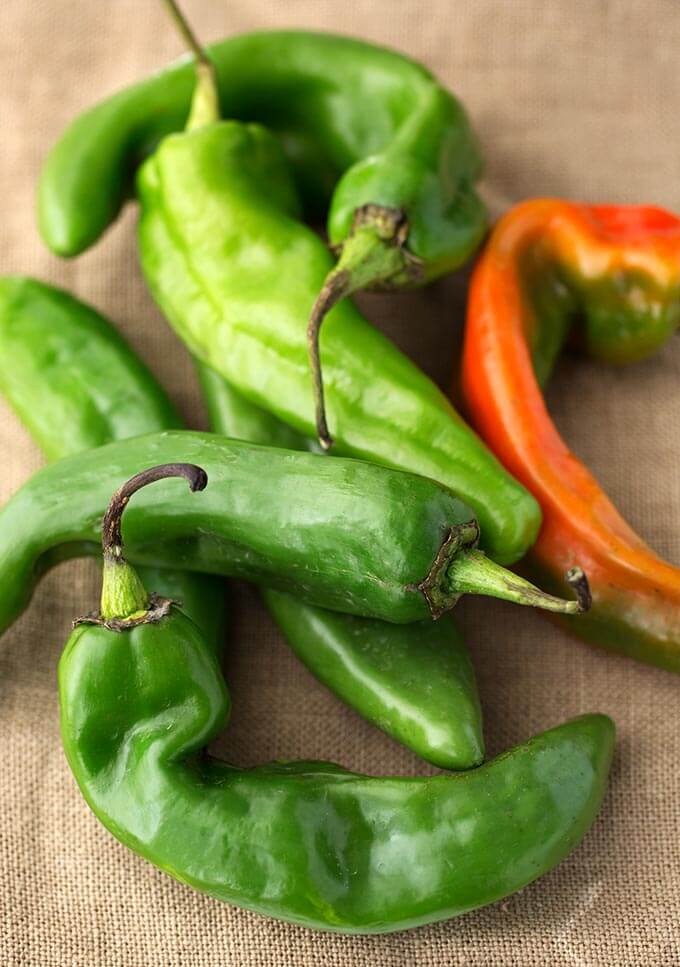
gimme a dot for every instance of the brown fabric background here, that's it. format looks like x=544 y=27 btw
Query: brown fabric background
x=574 y=99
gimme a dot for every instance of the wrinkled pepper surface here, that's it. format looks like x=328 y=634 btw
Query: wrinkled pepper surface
x=142 y=696
x=610 y=277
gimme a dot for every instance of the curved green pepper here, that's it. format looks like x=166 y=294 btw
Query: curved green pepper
x=342 y=534
x=75 y=384
x=413 y=681
x=141 y=697
x=342 y=109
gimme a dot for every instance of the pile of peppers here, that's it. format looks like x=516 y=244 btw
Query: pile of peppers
x=336 y=477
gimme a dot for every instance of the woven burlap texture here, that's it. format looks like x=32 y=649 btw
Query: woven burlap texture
x=576 y=100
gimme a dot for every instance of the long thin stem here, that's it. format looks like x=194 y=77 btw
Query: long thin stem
x=112 y=541
x=124 y=596
x=336 y=287
x=184 y=28
x=372 y=255
x=205 y=104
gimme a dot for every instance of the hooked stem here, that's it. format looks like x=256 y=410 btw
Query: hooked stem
x=373 y=256
x=205 y=103
x=124 y=597
x=475 y=573
x=336 y=287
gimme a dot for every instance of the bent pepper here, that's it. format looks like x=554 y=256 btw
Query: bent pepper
x=611 y=276
x=366 y=129
x=404 y=210
x=309 y=842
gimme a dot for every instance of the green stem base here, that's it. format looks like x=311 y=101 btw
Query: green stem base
x=475 y=573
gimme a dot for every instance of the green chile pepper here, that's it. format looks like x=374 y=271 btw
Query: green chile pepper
x=415 y=681
x=342 y=534
x=75 y=384
x=141 y=697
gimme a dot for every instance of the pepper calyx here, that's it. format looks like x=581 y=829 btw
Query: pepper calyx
x=157 y=608
x=123 y=593
x=460 y=568
x=435 y=587
x=375 y=254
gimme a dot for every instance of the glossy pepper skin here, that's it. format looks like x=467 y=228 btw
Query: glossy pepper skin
x=343 y=534
x=235 y=272
x=613 y=272
x=76 y=384
x=71 y=379
x=361 y=125
x=415 y=681
x=308 y=842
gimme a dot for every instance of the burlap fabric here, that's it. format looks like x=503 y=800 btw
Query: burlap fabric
x=574 y=99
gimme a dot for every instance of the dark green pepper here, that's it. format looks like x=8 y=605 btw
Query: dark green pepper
x=141 y=697
x=343 y=534
x=414 y=681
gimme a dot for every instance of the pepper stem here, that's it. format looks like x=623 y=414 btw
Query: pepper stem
x=205 y=103
x=475 y=573
x=373 y=256
x=124 y=597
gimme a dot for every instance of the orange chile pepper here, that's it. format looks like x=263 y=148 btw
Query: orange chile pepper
x=611 y=277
